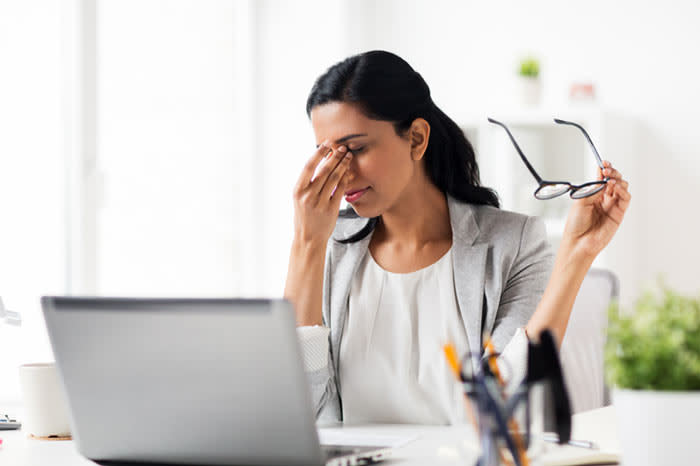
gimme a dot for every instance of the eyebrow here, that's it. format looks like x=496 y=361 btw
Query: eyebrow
x=346 y=138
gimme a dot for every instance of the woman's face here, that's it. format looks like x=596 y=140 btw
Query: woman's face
x=381 y=168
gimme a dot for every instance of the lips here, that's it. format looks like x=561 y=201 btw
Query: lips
x=355 y=191
x=353 y=195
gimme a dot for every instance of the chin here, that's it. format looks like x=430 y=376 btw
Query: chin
x=366 y=211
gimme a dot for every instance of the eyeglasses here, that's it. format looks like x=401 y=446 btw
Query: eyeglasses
x=551 y=189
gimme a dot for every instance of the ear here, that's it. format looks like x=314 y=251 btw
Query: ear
x=419 y=134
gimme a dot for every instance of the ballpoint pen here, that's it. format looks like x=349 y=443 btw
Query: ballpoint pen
x=7 y=423
x=574 y=443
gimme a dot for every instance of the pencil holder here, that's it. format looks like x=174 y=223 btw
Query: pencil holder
x=511 y=422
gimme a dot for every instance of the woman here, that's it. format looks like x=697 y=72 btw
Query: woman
x=425 y=256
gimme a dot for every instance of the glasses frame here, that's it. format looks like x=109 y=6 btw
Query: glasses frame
x=542 y=183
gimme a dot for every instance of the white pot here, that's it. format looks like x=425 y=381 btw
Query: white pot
x=529 y=91
x=658 y=428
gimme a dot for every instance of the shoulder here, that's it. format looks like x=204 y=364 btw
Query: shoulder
x=489 y=217
x=488 y=224
x=494 y=222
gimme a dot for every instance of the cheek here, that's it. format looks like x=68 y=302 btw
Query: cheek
x=385 y=173
x=369 y=166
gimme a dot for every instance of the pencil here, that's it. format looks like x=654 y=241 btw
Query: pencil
x=453 y=361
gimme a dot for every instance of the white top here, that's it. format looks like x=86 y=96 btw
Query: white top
x=392 y=367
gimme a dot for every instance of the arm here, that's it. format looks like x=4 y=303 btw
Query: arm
x=314 y=340
x=554 y=309
x=319 y=370
x=316 y=205
x=317 y=196
x=304 y=286
x=590 y=225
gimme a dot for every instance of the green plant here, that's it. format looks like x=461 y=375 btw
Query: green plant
x=529 y=67
x=658 y=346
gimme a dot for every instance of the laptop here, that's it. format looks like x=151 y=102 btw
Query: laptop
x=188 y=381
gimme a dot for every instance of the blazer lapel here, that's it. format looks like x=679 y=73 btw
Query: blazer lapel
x=469 y=268
x=346 y=259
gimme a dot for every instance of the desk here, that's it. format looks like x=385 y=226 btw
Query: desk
x=436 y=445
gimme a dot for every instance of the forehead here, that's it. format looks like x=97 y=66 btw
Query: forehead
x=334 y=120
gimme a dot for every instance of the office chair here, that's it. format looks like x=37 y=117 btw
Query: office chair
x=581 y=351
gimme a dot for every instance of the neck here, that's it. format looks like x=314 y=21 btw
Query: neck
x=419 y=217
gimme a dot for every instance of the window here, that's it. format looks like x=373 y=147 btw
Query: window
x=150 y=148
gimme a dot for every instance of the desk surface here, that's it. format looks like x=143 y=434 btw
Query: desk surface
x=435 y=445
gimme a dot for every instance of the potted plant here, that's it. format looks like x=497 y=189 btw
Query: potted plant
x=530 y=88
x=653 y=361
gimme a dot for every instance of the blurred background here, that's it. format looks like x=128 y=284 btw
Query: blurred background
x=149 y=147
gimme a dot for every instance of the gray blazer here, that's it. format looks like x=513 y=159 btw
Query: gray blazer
x=502 y=262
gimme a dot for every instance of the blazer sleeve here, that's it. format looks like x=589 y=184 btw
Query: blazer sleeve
x=314 y=341
x=525 y=284
x=318 y=359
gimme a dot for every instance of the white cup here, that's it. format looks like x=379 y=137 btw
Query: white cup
x=45 y=410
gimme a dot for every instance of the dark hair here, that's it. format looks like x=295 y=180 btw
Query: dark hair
x=387 y=88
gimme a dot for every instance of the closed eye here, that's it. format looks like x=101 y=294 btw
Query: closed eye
x=356 y=150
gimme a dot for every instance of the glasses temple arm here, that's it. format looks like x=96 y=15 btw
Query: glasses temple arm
x=522 y=156
x=585 y=133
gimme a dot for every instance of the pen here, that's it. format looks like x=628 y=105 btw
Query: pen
x=574 y=443
x=453 y=360
x=455 y=365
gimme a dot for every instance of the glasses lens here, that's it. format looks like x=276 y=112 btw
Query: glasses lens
x=548 y=191
x=587 y=190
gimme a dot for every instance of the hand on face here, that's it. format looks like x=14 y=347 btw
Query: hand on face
x=317 y=198
x=593 y=221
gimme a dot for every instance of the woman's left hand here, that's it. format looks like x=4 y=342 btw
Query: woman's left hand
x=593 y=221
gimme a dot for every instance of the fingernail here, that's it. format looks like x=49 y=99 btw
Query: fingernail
x=342 y=148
